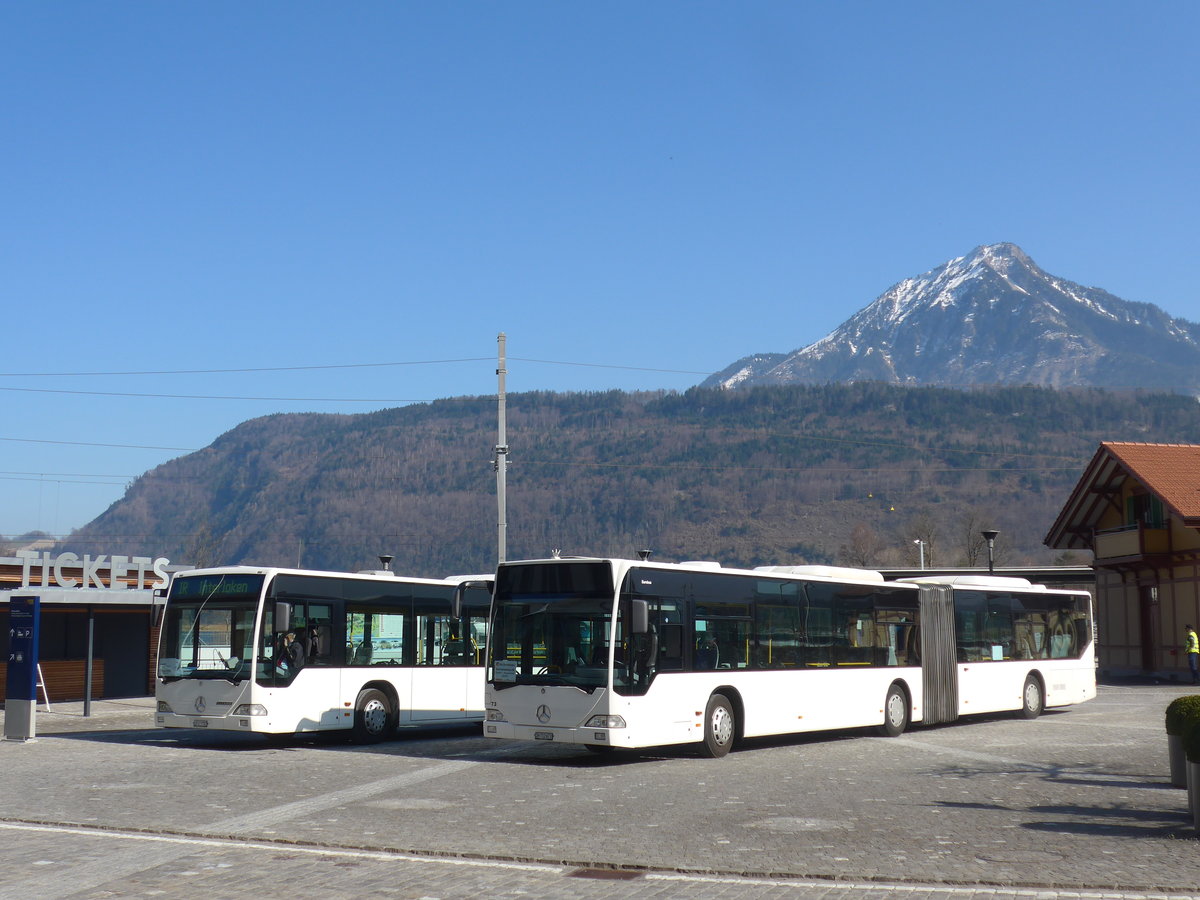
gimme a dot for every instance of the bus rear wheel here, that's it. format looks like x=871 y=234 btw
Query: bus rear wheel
x=373 y=716
x=720 y=726
x=1032 y=701
x=895 y=712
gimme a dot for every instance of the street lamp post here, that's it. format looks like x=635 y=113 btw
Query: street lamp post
x=921 y=547
x=990 y=537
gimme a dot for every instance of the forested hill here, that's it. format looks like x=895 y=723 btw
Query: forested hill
x=796 y=474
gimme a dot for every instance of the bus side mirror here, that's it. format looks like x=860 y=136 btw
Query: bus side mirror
x=460 y=591
x=158 y=608
x=639 y=617
x=283 y=616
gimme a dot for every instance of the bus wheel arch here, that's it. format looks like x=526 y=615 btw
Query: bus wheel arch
x=722 y=722
x=897 y=710
x=376 y=712
x=1033 y=696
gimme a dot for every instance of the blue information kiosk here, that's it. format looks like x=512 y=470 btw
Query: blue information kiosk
x=20 y=703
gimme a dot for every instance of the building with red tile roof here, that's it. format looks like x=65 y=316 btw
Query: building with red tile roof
x=1137 y=508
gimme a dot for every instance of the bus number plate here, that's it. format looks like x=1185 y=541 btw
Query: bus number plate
x=199 y=723
x=543 y=735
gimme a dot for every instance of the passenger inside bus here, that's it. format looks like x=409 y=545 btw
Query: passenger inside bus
x=295 y=651
x=318 y=644
x=362 y=654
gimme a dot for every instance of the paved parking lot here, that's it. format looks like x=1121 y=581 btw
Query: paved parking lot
x=1074 y=804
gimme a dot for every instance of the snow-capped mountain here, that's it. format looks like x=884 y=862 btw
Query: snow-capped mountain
x=992 y=317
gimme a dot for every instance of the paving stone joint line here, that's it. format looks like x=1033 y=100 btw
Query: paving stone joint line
x=565 y=866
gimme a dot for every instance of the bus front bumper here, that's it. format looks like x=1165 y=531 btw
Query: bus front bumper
x=601 y=737
x=215 y=723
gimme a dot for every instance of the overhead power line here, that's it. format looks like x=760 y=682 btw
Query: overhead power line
x=214 y=397
x=58 y=480
x=810 y=470
x=561 y=362
x=420 y=362
x=70 y=474
x=379 y=365
x=913 y=447
x=93 y=444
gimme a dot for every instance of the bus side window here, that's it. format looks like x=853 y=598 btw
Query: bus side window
x=475 y=636
x=670 y=649
x=317 y=635
x=708 y=655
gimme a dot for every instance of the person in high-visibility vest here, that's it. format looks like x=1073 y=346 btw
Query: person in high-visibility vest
x=1192 y=649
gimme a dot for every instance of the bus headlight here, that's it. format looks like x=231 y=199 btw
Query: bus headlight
x=494 y=715
x=164 y=706
x=605 y=722
x=250 y=709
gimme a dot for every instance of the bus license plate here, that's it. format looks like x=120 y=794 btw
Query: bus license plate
x=543 y=735
x=199 y=723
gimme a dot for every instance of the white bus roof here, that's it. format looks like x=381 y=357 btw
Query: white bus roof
x=993 y=581
x=831 y=572
x=828 y=573
x=329 y=573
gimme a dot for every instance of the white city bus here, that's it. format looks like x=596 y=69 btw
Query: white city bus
x=380 y=651
x=624 y=653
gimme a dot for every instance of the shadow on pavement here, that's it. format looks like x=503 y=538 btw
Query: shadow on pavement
x=199 y=739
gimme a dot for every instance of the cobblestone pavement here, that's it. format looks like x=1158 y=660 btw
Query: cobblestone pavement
x=1076 y=804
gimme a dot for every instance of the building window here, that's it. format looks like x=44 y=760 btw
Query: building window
x=1145 y=510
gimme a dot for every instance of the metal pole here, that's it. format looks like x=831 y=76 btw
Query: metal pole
x=501 y=461
x=87 y=668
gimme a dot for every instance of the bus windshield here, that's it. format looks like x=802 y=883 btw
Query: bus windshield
x=208 y=630
x=551 y=625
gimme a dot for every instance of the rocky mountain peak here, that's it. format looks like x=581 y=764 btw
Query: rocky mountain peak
x=992 y=317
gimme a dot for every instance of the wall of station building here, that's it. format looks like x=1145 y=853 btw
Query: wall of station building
x=1143 y=604
x=110 y=600
x=1141 y=614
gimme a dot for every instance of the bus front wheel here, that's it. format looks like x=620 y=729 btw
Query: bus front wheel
x=1032 y=701
x=720 y=726
x=373 y=716
x=895 y=712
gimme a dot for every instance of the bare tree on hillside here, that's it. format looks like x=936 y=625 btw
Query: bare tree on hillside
x=205 y=548
x=864 y=548
x=921 y=537
x=970 y=531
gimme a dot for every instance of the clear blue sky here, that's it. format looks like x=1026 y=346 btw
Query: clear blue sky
x=627 y=186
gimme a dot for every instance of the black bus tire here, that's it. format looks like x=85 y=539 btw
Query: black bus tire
x=895 y=712
x=720 y=726
x=374 y=717
x=1033 y=700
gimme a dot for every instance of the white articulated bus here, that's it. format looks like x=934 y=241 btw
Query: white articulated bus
x=624 y=653
x=378 y=651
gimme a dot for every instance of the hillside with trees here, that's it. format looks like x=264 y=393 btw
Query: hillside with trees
x=851 y=474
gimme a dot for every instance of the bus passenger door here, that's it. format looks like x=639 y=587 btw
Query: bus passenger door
x=316 y=688
x=439 y=679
